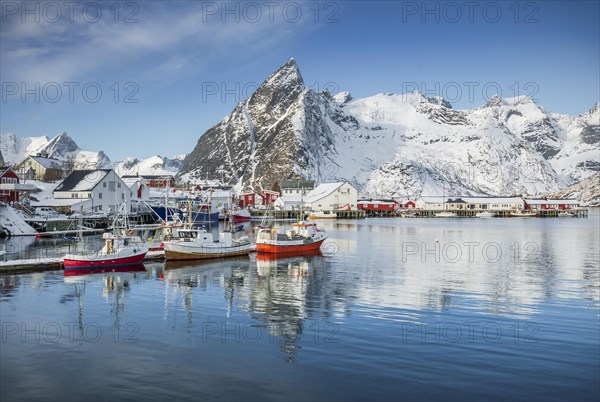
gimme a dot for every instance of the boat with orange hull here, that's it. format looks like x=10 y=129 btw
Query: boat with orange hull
x=302 y=237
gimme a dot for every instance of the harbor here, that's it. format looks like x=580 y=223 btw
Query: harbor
x=433 y=299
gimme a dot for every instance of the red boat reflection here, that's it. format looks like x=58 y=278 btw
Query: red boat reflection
x=74 y=271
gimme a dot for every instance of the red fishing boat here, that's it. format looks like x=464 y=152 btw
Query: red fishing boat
x=302 y=237
x=118 y=252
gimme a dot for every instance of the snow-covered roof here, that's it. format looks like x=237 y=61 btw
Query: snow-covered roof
x=294 y=198
x=48 y=163
x=82 y=180
x=493 y=200
x=322 y=190
x=472 y=200
x=130 y=181
x=61 y=202
x=552 y=202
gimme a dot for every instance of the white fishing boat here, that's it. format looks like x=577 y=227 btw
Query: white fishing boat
x=322 y=215
x=445 y=214
x=523 y=214
x=485 y=214
x=566 y=214
x=198 y=244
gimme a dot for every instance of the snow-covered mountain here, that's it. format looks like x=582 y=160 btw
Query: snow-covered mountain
x=155 y=165
x=16 y=149
x=587 y=191
x=395 y=145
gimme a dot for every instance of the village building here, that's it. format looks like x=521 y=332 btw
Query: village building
x=8 y=181
x=332 y=197
x=470 y=203
x=103 y=187
x=296 y=187
x=41 y=168
x=156 y=181
x=377 y=205
x=545 y=204
x=138 y=189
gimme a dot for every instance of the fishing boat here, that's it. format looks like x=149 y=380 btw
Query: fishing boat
x=241 y=216
x=523 y=214
x=566 y=214
x=322 y=215
x=302 y=237
x=485 y=214
x=119 y=251
x=198 y=244
x=445 y=214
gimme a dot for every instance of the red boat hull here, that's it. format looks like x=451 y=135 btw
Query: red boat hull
x=288 y=249
x=240 y=218
x=80 y=267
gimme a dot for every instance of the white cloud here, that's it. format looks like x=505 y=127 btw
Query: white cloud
x=166 y=40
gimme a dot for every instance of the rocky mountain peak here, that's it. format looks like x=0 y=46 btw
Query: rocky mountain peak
x=60 y=146
x=285 y=77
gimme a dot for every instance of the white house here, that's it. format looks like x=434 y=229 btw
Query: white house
x=288 y=202
x=103 y=187
x=331 y=197
x=472 y=203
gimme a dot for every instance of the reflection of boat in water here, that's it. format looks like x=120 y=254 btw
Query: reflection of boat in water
x=322 y=215
x=302 y=237
x=523 y=214
x=485 y=214
x=139 y=267
x=117 y=253
x=291 y=254
x=198 y=244
x=173 y=265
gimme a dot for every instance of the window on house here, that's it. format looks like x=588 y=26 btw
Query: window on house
x=111 y=186
x=100 y=195
x=123 y=196
x=119 y=184
x=104 y=184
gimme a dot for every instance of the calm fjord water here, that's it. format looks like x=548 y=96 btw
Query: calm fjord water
x=396 y=309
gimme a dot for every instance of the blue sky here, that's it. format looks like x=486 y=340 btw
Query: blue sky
x=168 y=72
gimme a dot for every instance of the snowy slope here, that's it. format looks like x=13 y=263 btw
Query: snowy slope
x=587 y=191
x=12 y=223
x=155 y=165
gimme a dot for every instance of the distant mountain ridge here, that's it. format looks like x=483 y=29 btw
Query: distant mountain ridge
x=395 y=145
x=62 y=147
